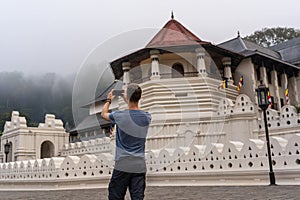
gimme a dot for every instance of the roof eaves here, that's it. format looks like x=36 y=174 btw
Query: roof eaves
x=90 y=122
x=286 y=44
x=102 y=96
x=231 y=40
x=236 y=45
x=239 y=54
x=276 y=59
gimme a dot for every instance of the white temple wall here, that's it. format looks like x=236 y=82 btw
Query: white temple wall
x=298 y=86
x=293 y=91
x=239 y=129
x=282 y=94
x=231 y=121
x=29 y=142
x=26 y=146
x=239 y=118
x=230 y=163
x=145 y=66
x=166 y=61
x=246 y=69
x=285 y=123
x=236 y=122
x=146 y=69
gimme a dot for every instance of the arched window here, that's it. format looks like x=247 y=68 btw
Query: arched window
x=47 y=149
x=177 y=70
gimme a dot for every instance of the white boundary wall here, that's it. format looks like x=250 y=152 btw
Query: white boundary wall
x=232 y=163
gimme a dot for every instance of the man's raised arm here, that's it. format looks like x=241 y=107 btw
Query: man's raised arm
x=105 y=113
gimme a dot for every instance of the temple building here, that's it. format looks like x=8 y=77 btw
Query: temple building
x=186 y=78
x=206 y=128
x=277 y=69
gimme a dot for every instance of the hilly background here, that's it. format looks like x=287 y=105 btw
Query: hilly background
x=34 y=96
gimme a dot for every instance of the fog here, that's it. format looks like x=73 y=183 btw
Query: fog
x=57 y=35
x=47 y=46
x=36 y=95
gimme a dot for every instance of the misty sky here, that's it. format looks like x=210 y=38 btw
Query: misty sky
x=57 y=35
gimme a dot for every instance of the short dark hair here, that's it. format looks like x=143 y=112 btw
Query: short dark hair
x=134 y=92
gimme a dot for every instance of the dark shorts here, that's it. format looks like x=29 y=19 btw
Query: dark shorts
x=120 y=181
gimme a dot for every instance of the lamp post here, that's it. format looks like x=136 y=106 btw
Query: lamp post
x=262 y=96
x=6 y=150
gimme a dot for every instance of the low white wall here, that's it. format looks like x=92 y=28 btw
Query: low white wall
x=232 y=163
x=95 y=146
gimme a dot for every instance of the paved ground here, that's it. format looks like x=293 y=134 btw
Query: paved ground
x=170 y=193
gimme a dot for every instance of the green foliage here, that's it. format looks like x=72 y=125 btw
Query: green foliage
x=272 y=36
x=4 y=116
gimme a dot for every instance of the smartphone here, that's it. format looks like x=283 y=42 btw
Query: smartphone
x=118 y=92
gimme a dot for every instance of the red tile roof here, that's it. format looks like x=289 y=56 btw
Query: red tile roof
x=174 y=34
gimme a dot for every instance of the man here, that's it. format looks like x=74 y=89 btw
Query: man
x=132 y=127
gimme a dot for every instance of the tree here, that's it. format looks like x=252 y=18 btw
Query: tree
x=4 y=116
x=272 y=36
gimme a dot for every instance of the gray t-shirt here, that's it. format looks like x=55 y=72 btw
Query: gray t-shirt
x=131 y=133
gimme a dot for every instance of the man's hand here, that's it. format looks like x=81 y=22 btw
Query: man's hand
x=110 y=95
x=105 y=113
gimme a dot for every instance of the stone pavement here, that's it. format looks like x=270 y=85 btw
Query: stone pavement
x=169 y=193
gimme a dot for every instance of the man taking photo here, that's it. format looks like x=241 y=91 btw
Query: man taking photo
x=132 y=127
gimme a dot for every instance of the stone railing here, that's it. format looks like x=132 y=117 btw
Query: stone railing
x=215 y=160
x=285 y=123
x=96 y=146
x=57 y=168
x=231 y=156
